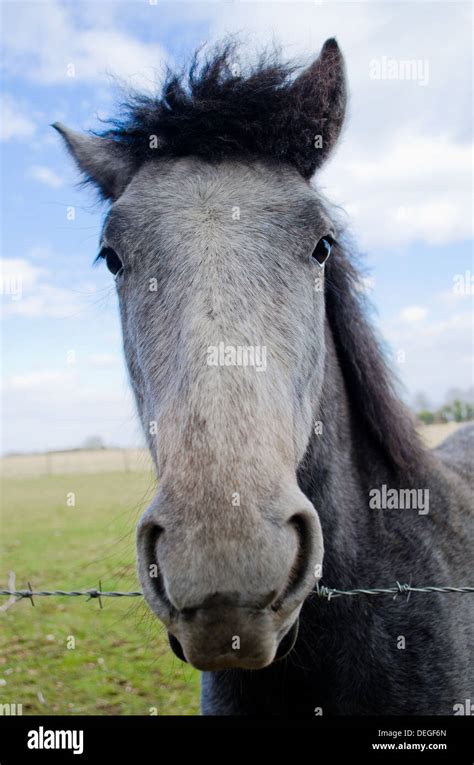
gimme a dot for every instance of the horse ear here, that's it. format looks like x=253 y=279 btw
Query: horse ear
x=320 y=94
x=102 y=160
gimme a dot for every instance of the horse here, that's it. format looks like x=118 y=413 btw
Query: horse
x=270 y=408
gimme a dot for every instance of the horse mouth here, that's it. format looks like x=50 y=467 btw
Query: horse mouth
x=285 y=645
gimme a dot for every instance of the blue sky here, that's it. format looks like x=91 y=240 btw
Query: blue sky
x=403 y=173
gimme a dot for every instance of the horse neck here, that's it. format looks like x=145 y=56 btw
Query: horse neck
x=341 y=465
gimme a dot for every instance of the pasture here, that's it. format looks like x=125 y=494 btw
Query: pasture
x=121 y=663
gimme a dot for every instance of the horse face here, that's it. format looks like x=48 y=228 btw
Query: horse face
x=223 y=325
x=218 y=273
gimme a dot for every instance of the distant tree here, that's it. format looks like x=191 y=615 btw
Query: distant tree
x=93 y=442
x=458 y=407
x=458 y=410
x=460 y=403
x=445 y=413
x=426 y=416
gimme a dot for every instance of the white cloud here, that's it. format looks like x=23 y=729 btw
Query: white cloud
x=28 y=290
x=418 y=160
x=51 y=43
x=413 y=314
x=43 y=379
x=437 y=357
x=100 y=52
x=47 y=301
x=45 y=175
x=17 y=275
x=413 y=188
x=15 y=122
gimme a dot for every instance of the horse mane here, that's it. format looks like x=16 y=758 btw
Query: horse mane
x=216 y=109
x=371 y=383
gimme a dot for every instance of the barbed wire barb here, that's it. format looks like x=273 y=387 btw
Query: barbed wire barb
x=96 y=594
x=403 y=589
x=31 y=595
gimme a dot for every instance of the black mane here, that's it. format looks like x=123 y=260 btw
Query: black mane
x=216 y=110
x=370 y=382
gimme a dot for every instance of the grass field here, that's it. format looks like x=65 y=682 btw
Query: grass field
x=121 y=663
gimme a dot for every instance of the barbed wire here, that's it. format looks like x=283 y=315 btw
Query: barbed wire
x=400 y=589
x=321 y=591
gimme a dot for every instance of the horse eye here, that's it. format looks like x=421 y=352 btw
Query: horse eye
x=113 y=262
x=322 y=250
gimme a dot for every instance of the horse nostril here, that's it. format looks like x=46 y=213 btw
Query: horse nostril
x=151 y=568
x=299 y=569
x=176 y=647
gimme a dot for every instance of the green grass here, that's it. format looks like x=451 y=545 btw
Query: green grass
x=121 y=663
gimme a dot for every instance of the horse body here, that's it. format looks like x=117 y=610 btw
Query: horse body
x=216 y=238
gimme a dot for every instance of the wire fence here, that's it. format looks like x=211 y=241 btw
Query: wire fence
x=321 y=591
x=399 y=589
